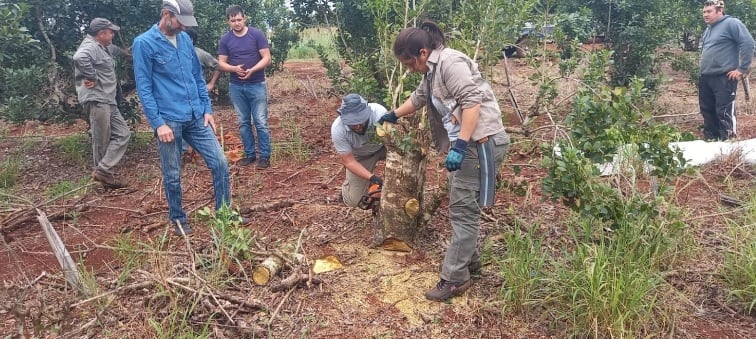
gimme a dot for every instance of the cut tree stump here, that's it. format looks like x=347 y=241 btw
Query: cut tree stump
x=400 y=216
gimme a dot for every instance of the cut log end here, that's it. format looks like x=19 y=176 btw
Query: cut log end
x=412 y=207
x=266 y=270
x=261 y=276
x=394 y=244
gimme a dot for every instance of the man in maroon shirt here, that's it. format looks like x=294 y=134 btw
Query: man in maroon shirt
x=244 y=52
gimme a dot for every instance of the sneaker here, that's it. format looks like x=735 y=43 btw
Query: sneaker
x=246 y=161
x=263 y=163
x=447 y=289
x=475 y=268
x=107 y=179
x=184 y=229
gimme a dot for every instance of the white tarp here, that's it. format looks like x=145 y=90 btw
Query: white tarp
x=696 y=153
x=699 y=152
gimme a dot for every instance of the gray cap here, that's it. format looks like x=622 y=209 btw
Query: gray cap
x=184 y=11
x=354 y=110
x=99 y=24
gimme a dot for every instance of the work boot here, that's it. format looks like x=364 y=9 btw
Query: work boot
x=107 y=179
x=447 y=289
x=182 y=228
x=263 y=163
x=247 y=161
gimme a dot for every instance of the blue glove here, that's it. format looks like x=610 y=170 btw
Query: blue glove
x=456 y=155
x=388 y=117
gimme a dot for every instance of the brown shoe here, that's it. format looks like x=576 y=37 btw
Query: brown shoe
x=447 y=289
x=107 y=179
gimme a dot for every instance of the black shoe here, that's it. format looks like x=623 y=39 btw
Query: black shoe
x=263 y=163
x=246 y=161
x=184 y=229
x=447 y=289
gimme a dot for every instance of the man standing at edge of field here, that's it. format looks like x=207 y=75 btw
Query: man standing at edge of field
x=726 y=52
x=175 y=101
x=244 y=52
x=97 y=86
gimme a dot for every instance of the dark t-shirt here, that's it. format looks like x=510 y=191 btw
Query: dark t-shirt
x=244 y=50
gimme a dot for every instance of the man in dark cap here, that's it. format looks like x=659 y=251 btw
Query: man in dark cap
x=726 y=53
x=174 y=99
x=97 y=86
x=353 y=136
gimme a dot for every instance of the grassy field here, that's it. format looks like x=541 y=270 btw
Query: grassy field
x=310 y=39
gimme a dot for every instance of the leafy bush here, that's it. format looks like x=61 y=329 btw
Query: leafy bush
x=687 y=62
x=230 y=238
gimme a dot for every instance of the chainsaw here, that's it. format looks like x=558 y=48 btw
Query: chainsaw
x=372 y=199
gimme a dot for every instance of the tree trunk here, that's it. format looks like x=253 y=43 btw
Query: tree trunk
x=400 y=216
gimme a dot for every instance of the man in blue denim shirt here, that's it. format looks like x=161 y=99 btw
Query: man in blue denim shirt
x=175 y=101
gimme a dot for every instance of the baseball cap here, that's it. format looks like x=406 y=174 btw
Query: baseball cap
x=184 y=11
x=354 y=110
x=98 y=24
x=715 y=3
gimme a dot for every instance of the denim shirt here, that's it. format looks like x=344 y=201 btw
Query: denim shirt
x=169 y=79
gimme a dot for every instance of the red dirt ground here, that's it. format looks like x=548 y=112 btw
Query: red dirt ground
x=377 y=293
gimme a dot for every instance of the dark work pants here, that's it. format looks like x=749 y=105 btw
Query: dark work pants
x=716 y=97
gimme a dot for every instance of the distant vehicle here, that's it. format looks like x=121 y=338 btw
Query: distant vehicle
x=529 y=29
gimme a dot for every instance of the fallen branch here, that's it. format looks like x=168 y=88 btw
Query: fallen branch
x=135 y=286
x=294 y=279
x=73 y=276
x=269 y=206
x=170 y=253
x=278 y=308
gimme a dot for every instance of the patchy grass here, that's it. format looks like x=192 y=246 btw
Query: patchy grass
x=75 y=147
x=739 y=269
x=9 y=171
x=310 y=39
x=67 y=187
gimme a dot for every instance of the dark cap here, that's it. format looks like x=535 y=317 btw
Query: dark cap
x=715 y=3
x=354 y=110
x=184 y=11
x=99 y=24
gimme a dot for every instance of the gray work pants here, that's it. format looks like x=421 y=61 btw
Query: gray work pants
x=110 y=134
x=464 y=212
x=355 y=187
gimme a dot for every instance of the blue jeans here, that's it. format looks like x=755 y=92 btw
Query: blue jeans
x=203 y=140
x=251 y=105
